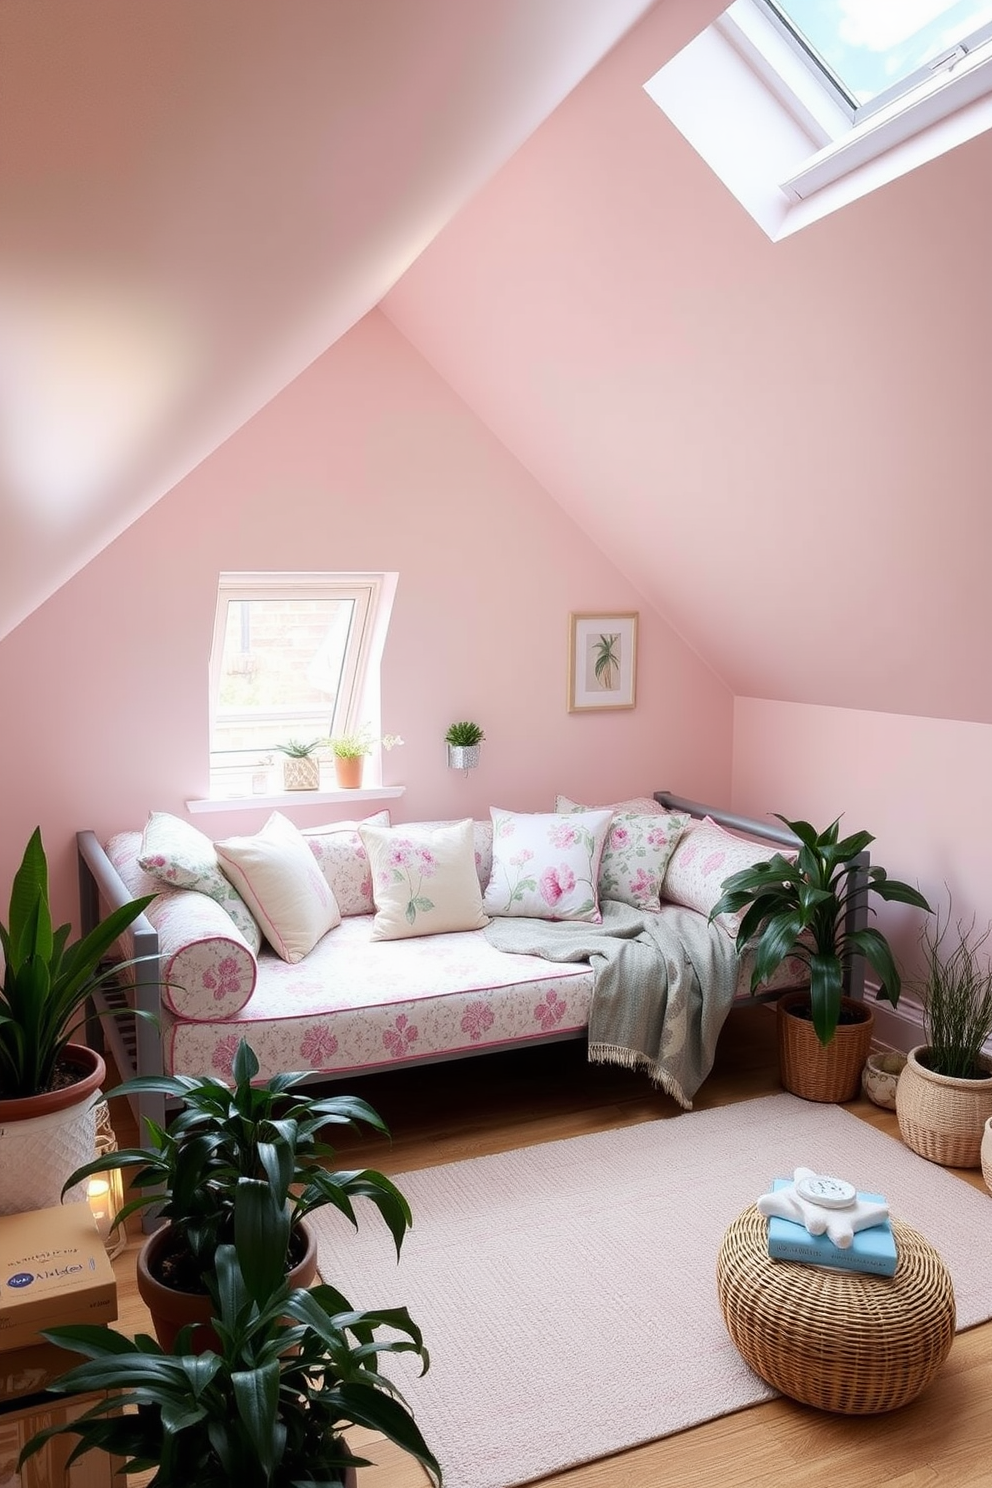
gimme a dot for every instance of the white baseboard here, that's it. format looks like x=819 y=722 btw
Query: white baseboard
x=896 y=1027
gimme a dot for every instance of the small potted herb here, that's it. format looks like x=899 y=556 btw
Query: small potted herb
x=464 y=741
x=293 y=1370
x=301 y=767
x=236 y=1161
x=350 y=750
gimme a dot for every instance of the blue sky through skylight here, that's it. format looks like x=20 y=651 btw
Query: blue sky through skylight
x=872 y=44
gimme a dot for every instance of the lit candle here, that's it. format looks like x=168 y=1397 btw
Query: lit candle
x=98 y=1196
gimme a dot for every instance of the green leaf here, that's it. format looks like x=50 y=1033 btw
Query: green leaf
x=256 y=1395
x=825 y=990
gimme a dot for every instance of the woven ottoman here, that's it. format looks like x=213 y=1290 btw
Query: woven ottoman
x=839 y=1340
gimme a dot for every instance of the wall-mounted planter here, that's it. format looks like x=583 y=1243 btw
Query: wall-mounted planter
x=463 y=756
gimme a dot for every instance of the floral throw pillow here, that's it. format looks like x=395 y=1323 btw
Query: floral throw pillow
x=344 y=862
x=703 y=858
x=638 y=847
x=176 y=853
x=277 y=874
x=546 y=865
x=423 y=880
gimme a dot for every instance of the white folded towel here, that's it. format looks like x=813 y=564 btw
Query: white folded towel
x=839 y=1225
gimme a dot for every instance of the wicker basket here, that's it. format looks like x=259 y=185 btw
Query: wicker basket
x=940 y=1117
x=839 y=1340
x=818 y=1072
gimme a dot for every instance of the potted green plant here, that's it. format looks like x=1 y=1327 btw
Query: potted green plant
x=350 y=750
x=464 y=742
x=944 y=1095
x=48 y=1082
x=803 y=906
x=237 y=1160
x=293 y=1370
x=301 y=767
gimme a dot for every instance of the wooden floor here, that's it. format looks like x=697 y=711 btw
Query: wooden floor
x=488 y=1104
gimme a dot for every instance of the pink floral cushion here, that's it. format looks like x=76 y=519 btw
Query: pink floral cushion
x=547 y=865
x=207 y=967
x=482 y=846
x=702 y=860
x=344 y=862
x=642 y=805
x=638 y=847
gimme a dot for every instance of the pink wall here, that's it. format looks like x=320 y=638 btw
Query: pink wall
x=367 y=461
x=921 y=785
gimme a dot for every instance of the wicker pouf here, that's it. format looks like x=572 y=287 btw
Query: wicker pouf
x=840 y=1340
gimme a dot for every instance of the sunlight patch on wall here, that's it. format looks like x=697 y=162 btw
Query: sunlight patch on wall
x=89 y=373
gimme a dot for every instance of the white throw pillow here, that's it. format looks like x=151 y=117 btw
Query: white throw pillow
x=546 y=865
x=423 y=880
x=177 y=853
x=279 y=879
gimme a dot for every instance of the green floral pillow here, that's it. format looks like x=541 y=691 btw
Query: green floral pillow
x=637 y=852
x=176 y=853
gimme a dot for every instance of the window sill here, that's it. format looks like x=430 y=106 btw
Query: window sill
x=277 y=800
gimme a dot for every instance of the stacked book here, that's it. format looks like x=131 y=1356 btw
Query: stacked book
x=872 y=1250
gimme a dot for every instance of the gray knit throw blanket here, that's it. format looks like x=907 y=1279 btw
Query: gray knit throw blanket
x=663 y=985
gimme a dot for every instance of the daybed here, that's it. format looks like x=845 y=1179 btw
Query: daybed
x=352 y=1003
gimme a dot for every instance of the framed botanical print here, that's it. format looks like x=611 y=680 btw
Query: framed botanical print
x=602 y=661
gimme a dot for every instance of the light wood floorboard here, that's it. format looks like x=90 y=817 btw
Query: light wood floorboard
x=446 y=1112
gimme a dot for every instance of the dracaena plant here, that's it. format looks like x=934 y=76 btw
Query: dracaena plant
x=295 y=1369
x=47 y=980
x=798 y=907
x=245 y=1157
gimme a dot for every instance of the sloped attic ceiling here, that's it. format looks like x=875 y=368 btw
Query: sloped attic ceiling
x=198 y=199
x=783 y=444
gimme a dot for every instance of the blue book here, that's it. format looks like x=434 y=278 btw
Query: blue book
x=872 y=1250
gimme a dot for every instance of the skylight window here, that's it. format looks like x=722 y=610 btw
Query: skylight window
x=871 y=51
x=801 y=106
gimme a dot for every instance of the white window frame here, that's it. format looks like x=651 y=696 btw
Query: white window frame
x=783 y=144
x=365 y=590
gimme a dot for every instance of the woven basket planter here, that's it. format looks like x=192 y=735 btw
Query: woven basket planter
x=941 y=1117
x=839 y=1340
x=814 y=1071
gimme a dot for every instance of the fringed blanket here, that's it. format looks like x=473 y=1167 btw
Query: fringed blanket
x=663 y=985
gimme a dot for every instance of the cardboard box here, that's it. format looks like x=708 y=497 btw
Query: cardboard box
x=53 y=1269
x=27 y=1371
x=47 y=1468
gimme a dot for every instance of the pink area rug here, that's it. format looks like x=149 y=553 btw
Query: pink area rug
x=567 y=1291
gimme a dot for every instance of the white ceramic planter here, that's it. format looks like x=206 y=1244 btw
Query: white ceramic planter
x=880 y=1076
x=986 y=1154
x=37 y=1155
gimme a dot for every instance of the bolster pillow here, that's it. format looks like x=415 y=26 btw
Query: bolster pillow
x=207 y=966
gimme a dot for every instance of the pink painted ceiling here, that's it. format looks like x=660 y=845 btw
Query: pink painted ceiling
x=198 y=199
x=783 y=445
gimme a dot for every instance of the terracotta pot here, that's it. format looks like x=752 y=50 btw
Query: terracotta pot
x=941 y=1117
x=44 y=1138
x=815 y=1071
x=172 y=1310
x=348 y=772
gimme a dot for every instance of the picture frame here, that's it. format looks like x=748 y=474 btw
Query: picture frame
x=602 y=661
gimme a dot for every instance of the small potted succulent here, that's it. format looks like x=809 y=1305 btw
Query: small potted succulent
x=301 y=767
x=48 y=1083
x=293 y=1369
x=236 y=1161
x=464 y=742
x=798 y=905
x=350 y=750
